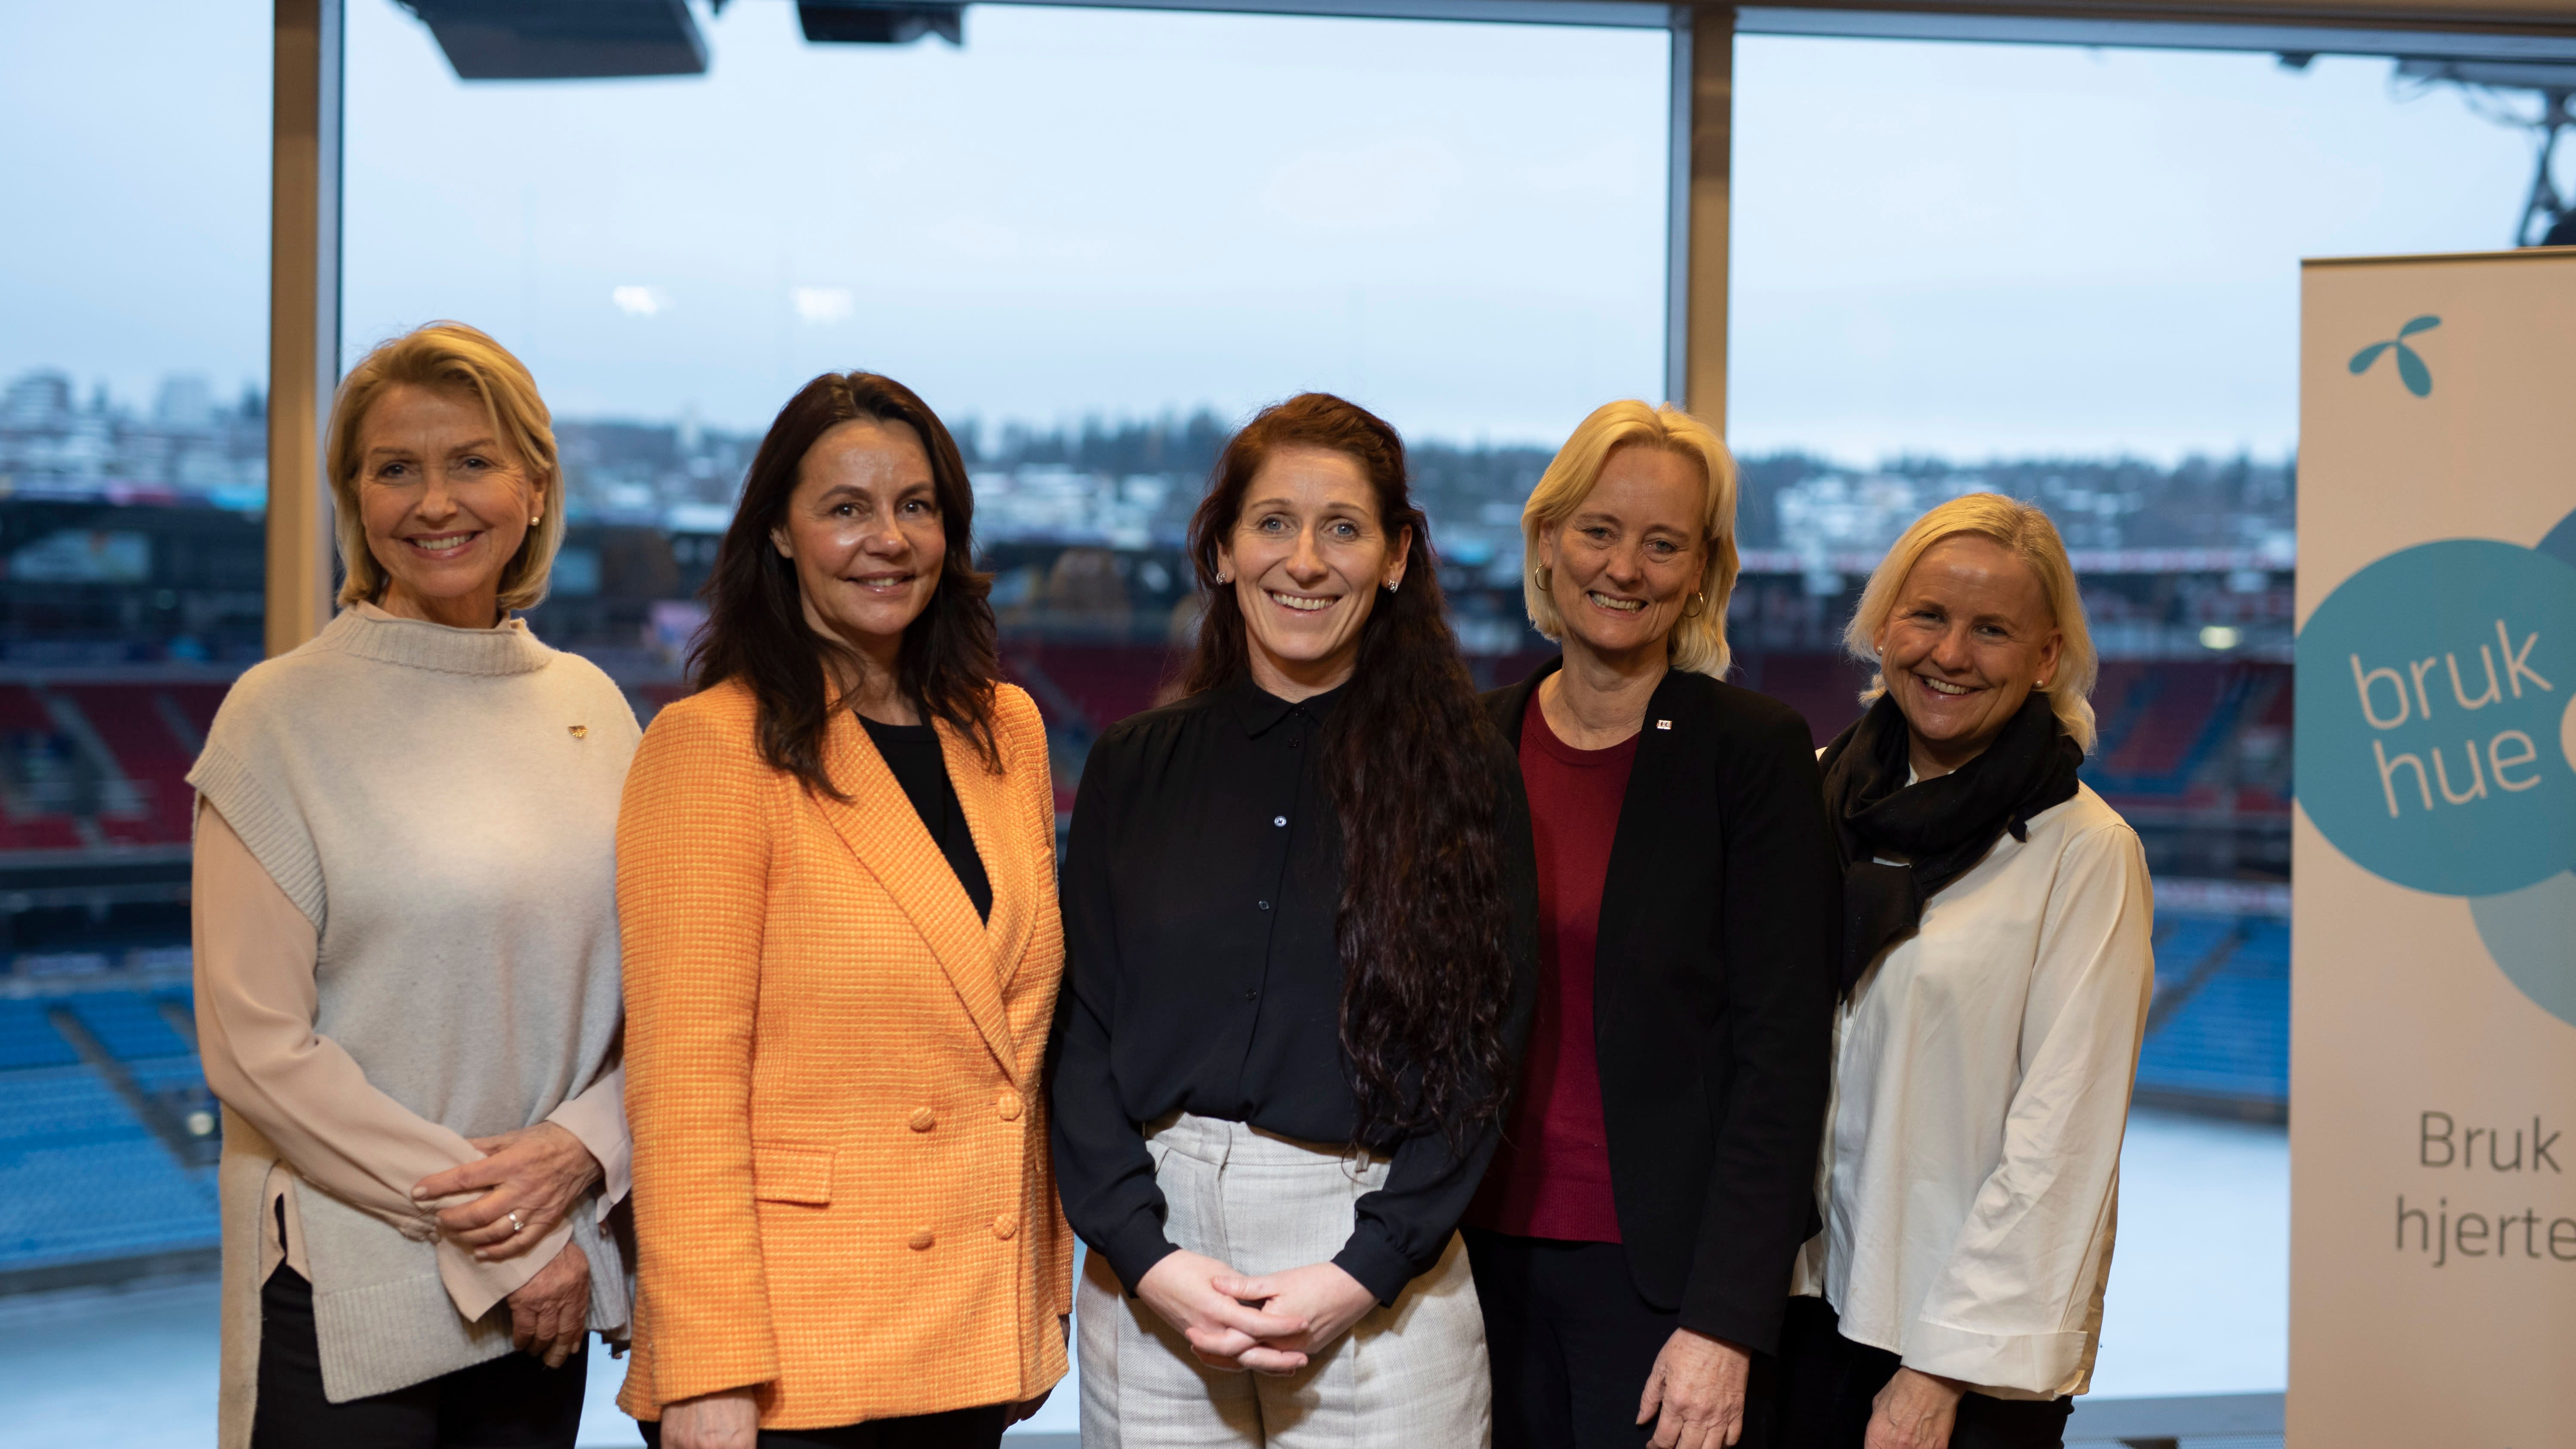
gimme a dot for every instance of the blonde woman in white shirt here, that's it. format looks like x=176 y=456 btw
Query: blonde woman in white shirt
x=1996 y=974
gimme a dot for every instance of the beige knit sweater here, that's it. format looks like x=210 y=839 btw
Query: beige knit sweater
x=438 y=806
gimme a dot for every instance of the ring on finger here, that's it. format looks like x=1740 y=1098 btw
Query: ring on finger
x=516 y=1226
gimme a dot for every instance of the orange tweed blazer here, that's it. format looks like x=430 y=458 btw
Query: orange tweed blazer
x=841 y=1179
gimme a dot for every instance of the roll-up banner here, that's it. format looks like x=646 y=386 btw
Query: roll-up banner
x=2433 y=957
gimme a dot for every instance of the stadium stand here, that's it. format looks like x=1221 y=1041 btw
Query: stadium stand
x=108 y=1134
x=84 y=1182
x=140 y=726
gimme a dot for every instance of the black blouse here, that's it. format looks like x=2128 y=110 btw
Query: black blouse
x=1202 y=974
x=912 y=752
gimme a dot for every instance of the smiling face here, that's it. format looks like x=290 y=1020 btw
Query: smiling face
x=445 y=504
x=865 y=533
x=1623 y=568
x=1306 y=559
x=1971 y=635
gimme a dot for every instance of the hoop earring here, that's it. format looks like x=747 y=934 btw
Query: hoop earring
x=1701 y=600
x=1539 y=575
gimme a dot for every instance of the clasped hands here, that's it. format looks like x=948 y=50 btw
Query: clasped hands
x=1271 y=1323
x=538 y=1173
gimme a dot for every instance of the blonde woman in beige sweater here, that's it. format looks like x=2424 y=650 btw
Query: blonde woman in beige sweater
x=406 y=950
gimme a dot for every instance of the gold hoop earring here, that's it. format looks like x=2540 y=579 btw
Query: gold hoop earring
x=1689 y=612
x=1545 y=585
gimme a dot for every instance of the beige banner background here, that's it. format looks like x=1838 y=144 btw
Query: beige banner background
x=2396 y=1007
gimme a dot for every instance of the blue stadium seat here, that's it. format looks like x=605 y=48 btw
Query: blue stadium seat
x=28 y=1040
x=82 y=1180
x=127 y=1024
x=2229 y=1042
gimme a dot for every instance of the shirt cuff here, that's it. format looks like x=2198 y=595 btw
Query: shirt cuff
x=1373 y=1261
x=598 y=1119
x=474 y=1287
x=2008 y=1365
x=1135 y=1248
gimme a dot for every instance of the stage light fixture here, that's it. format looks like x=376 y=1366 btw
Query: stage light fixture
x=564 y=39
x=865 y=22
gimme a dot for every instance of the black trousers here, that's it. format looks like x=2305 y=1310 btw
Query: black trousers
x=1828 y=1383
x=1572 y=1344
x=956 y=1429
x=511 y=1402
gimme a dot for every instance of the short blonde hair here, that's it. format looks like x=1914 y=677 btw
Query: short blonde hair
x=1698 y=641
x=448 y=357
x=2025 y=530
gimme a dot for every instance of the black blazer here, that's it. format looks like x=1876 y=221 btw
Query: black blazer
x=1712 y=999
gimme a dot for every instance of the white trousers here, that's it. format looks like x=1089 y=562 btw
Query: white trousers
x=1412 y=1376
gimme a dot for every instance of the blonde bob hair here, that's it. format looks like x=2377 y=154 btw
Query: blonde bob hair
x=448 y=357
x=1698 y=640
x=2024 y=530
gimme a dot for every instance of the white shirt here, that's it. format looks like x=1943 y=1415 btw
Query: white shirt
x=1971 y=1173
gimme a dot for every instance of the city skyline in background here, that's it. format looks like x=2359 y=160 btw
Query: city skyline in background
x=1965 y=251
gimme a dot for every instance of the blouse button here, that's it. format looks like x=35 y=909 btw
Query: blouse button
x=1005 y=1225
x=1265 y=905
x=1279 y=820
x=921 y=1120
x=1009 y=1106
x=920 y=1239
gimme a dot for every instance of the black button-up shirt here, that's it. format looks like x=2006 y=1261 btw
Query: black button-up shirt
x=1203 y=974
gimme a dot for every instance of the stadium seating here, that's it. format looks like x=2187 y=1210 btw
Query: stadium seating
x=97 y=1158
x=83 y=1180
x=135 y=721
x=2221 y=1036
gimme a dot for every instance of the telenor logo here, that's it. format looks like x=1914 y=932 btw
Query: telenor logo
x=2410 y=363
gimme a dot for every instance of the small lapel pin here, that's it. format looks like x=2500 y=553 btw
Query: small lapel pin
x=1663 y=724
x=579 y=732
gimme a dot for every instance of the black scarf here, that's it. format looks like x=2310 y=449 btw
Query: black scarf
x=1942 y=826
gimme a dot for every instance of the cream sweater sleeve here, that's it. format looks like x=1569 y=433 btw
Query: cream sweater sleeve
x=256 y=1003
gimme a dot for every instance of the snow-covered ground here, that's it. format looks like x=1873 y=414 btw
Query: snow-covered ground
x=2199 y=1304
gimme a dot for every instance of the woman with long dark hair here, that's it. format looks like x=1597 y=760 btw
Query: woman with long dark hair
x=1300 y=954
x=836 y=881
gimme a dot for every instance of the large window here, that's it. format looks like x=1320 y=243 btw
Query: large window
x=1094 y=240
x=2072 y=276
x=133 y=284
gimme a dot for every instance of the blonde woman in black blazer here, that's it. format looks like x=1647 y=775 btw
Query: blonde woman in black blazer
x=1634 y=1237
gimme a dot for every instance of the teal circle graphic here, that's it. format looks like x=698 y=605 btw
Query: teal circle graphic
x=2433 y=691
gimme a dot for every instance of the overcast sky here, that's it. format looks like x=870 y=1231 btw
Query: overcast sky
x=1961 y=249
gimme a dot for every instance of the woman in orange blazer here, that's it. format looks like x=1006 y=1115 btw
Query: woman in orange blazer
x=836 y=880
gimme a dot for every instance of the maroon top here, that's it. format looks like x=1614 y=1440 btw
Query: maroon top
x=1551 y=1177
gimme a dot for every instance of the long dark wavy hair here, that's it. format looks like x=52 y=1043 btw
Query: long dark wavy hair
x=756 y=630
x=1408 y=761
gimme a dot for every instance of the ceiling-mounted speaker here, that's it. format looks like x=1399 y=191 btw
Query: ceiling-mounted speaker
x=564 y=39
x=867 y=22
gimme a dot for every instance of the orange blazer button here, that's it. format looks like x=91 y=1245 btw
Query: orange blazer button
x=1005 y=1225
x=920 y=1239
x=922 y=1121
x=1009 y=1106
